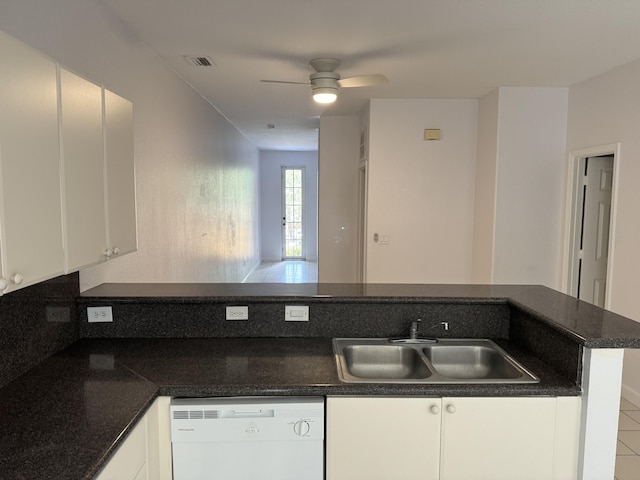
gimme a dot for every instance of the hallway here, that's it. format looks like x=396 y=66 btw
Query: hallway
x=289 y=271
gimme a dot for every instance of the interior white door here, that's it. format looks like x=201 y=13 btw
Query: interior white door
x=594 y=248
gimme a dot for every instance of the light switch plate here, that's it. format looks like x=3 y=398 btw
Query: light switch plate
x=296 y=313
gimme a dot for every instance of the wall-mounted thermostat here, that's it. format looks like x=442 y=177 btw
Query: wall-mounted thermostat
x=432 y=134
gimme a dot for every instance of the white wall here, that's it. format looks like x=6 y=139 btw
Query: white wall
x=525 y=130
x=485 y=189
x=421 y=193
x=338 y=150
x=606 y=110
x=271 y=163
x=197 y=176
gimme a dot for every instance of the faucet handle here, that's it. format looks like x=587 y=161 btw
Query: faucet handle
x=413 y=332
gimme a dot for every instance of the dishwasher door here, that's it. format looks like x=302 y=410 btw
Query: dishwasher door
x=248 y=438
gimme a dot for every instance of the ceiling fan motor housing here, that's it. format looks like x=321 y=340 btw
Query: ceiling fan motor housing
x=324 y=79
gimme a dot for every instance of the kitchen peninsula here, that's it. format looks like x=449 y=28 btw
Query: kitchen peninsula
x=64 y=418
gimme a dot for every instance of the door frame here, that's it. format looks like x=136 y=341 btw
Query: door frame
x=283 y=210
x=572 y=209
x=362 y=220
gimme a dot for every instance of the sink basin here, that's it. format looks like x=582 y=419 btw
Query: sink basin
x=384 y=362
x=377 y=360
x=471 y=361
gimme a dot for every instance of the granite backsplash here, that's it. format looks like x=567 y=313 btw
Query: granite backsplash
x=36 y=322
x=206 y=318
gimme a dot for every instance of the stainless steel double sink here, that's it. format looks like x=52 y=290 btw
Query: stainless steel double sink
x=380 y=360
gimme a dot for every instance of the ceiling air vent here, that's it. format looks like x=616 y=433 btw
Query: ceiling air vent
x=199 y=61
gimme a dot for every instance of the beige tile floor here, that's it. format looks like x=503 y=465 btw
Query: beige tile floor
x=628 y=452
x=289 y=271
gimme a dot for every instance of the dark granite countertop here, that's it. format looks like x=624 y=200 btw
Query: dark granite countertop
x=66 y=416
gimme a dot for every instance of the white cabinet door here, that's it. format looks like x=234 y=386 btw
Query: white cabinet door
x=498 y=438
x=30 y=211
x=130 y=459
x=120 y=186
x=159 y=461
x=146 y=452
x=382 y=438
x=83 y=171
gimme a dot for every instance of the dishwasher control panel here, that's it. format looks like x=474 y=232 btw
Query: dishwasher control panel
x=247 y=419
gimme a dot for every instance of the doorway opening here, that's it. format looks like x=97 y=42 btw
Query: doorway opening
x=293 y=213
x=592 y=186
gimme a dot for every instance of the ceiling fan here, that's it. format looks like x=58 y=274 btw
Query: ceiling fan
x=325 y=81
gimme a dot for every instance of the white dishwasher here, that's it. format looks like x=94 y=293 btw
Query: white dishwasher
x=248 y=438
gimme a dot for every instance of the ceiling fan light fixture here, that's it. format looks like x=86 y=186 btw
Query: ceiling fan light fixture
x=325 y=94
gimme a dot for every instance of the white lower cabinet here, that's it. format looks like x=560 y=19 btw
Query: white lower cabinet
x=146 y=452
x=405 y=438
x=383 y=438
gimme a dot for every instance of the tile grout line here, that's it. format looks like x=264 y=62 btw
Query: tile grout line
x=622 y=465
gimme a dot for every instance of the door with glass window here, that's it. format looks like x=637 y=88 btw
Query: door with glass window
x=293 y=213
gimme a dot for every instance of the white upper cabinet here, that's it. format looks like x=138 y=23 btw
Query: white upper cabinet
x=67 y=181
x=30 y=211
x=120 y=185
x=82 y=150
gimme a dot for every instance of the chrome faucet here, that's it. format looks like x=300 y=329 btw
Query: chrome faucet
x=413 y=330
x=413 y=333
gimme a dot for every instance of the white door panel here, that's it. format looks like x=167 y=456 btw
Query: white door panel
x=598 y=183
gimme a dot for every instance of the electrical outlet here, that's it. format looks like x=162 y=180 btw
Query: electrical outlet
x=238 y=313
x=296 y=313
x=99 y=314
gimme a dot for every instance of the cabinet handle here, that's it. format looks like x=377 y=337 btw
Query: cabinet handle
x=451 y=408
x=107 y=253
x=17 y=279
x=435 y=409
x=3 y=284
x=116 y=251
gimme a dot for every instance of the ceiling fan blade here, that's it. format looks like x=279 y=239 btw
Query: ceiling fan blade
x=362 y=81
x=284 y=81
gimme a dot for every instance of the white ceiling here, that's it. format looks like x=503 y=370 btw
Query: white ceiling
x=426 y=48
